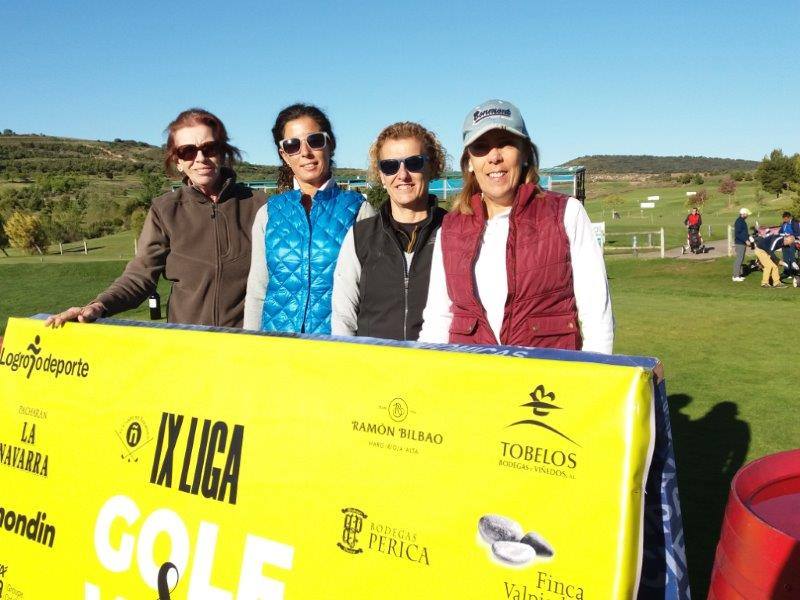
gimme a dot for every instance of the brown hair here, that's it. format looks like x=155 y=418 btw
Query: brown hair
x=198 y=116
x=406 y=129
x=463 y=204
x=290 y=113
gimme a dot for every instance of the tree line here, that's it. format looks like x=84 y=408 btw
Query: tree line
x=776 y=174
x=646 y=164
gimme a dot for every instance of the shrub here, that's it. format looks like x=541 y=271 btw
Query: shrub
x=728 y=187
x=698 y=200
x=377 y=195
x=100 y=228
x=26 y=232
x=137 y=221
x=3 y=236
x=613 y=201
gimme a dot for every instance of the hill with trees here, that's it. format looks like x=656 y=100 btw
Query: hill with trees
x=23 y=157
x=645 y=164
x=69 y=189
x=55 y=189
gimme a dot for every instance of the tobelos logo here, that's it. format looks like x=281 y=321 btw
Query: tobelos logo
x=353 y=524
x=542 y=403
x=31 y=361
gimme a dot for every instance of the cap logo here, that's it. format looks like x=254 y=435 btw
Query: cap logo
x=479 y=115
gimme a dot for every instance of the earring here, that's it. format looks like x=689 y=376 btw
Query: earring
x=180 y=169
x=469 y=168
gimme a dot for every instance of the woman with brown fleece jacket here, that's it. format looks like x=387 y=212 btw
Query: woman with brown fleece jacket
x=197 y=236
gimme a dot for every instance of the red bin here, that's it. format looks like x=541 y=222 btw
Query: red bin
x=758 y=555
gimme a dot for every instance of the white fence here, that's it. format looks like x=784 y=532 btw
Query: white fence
x=640 y=241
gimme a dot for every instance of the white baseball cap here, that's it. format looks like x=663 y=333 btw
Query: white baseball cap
x=493 y=114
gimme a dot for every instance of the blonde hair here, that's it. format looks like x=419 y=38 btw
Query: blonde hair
x=463 y=203
x=432 y=147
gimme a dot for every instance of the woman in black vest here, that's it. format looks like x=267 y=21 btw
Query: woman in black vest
x=381 y=280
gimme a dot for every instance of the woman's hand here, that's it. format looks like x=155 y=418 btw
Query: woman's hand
x=86 y=314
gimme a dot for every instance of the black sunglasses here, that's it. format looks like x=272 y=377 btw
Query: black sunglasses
x=481 y=148
x=315 y=141
x=189 y=151
x=414 y=164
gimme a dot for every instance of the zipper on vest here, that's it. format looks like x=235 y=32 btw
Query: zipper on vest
x=308 y=262
x=405 y=300
x=405 y=293
x=393 y=237
x=511 y=268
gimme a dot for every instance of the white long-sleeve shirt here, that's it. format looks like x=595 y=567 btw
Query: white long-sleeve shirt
x=258 y=278
x=346 y=295
x=590 y=283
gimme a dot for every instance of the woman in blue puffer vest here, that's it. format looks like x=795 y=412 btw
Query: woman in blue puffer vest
x=298 y=233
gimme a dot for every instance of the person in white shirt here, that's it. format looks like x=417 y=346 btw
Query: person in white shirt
x=381 y=280
x=514 y=264
x=298 y=233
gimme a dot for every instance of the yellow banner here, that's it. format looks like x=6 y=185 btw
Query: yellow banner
x=164 y=463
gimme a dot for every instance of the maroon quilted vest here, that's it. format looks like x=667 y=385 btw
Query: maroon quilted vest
x=540 y=309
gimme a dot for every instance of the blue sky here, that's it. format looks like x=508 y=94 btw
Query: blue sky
x=699 y=78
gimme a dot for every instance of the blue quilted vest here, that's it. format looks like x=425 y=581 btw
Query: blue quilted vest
x=301 y=256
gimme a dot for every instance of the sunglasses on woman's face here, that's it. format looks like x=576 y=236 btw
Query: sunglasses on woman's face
x=189 y=151
x=315 y=141
x=481 y=148
x=414 y=164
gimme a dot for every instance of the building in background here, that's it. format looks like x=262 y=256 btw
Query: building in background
x=566 y=180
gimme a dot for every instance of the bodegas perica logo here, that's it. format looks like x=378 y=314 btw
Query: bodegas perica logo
x=33 y=361
x=353 y=524
x=541 y=404
x=397 y=542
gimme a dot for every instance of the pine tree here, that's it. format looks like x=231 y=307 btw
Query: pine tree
x=776 y=172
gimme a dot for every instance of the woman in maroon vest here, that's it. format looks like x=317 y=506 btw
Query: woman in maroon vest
x=514 y=264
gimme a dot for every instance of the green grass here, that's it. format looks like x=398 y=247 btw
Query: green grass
x=730 y=383
x=28 y=289
x=113 y=247
x=729 y=379
x=671 y=210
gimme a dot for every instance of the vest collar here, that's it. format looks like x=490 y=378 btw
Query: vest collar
x=524 y=196
x=323 y=194
x=386 y=215
x=324 y=186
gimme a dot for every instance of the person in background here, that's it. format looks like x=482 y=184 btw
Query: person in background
x=693 y=220
x=197 y=237
x=381 y=280
x=297 y=235
x=789 y=226
x=514 y=264
x=765 y=249
x=741 y=239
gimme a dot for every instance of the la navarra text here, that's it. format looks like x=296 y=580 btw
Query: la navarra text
x=203 y=443
x=23 y=458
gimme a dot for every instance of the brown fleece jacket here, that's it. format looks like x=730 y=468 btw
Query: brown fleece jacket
x=202 y=247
